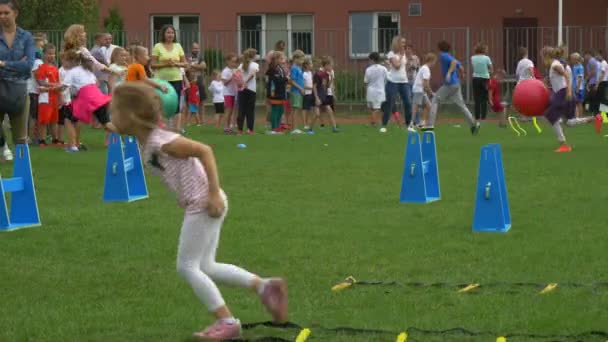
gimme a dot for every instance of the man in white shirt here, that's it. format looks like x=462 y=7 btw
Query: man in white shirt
x=109 y=47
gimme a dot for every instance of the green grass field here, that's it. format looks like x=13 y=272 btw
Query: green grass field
x=316 y=209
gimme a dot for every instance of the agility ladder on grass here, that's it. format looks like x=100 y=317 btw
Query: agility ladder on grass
x=543 y=288
x=413 y=334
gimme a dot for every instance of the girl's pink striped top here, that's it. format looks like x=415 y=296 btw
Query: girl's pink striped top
x=185 y=177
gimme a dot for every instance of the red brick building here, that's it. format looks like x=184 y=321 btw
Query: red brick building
x=350 y=29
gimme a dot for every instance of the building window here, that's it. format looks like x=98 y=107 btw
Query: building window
x=301 y=33
x=262 y=31
x=250 y=27
x=415 y=9
x=187 y=27
x=372 y=32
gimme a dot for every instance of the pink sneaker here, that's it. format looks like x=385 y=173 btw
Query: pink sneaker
x=220 y=331
x=274 y=299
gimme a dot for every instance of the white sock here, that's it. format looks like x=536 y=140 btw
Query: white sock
x=229 y=320
x=578 y=121
x=262 y=286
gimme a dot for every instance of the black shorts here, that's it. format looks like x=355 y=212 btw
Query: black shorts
x=309 y=102
x=202 y=93
x=329 y=101
x=102 y=114
x=219 y=108
x=34 y=106
x=65 y=113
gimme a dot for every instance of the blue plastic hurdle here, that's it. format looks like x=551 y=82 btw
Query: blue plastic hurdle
x=125 y=180
x=420 y=181
x=23 y=206
x=492 y=213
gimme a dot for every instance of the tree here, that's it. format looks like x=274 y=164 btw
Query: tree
x=46 y=15
x=113 y=22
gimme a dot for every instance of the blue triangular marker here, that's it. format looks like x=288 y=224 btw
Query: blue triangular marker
x=420 y=181
x=23 y=211
x=492 y=213
x=125 y=180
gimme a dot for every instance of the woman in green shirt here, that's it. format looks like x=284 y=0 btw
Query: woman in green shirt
x=168 y=58
x=482 y=69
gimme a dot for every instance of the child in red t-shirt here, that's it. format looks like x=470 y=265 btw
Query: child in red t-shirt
x=47 y=77
x=496 y=97
x=193 y=98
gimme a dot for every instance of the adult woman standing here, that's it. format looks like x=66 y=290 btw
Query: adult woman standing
x=482 y=69
x=17 y=54
x=168 y=58
x=397 y=82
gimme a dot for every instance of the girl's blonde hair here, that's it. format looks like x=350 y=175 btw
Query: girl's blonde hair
x=75 y=57
x=274 y=59
x=248 y=56
x=298 y=54
x=307 y=65
x=216 y=73
x=140 y=102
x=71 y=38
x=396 y=43
x=430 y=58
x=576 y=57
x=561 y=51
x=116 y=53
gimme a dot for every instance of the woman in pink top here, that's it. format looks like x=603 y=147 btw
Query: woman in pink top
x=188 y=168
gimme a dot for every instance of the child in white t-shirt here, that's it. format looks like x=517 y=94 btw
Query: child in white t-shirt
x=216 y=88
x=118 y=66
x=33 y=92
x=422 y=89
x=525 y=67
x=308 y=103
x=375 y=79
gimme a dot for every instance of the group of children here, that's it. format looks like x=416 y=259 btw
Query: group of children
x=424 y=100
x=570 y=87
x=294 y=90
x=570 y=84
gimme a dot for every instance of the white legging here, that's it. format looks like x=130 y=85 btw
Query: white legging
x=198 y=243
x=557 y=127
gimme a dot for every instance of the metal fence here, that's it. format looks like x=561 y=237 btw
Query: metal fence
x=349 y=48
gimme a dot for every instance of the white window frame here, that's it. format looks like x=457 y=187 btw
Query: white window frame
x=175 y=24
x=289 y=42
x=239 y=47
x=290 y=31
x=374 y=36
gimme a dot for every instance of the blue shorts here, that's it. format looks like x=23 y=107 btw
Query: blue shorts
x=193 y=108
x=579 y=96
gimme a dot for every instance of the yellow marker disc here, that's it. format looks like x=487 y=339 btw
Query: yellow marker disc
x=549 y=288
x=469 y=288
x=501 y=339
x=303 y=335
x=402 y=337
x=346 y=283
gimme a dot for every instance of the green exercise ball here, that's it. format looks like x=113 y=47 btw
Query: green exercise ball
x=169 y=99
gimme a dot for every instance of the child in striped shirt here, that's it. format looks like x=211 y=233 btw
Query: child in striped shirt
x=188 y=169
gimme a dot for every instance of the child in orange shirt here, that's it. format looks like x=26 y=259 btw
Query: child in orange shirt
x=47 y=77
x=137 y=71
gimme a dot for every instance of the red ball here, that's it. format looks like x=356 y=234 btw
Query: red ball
x=531 y=97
